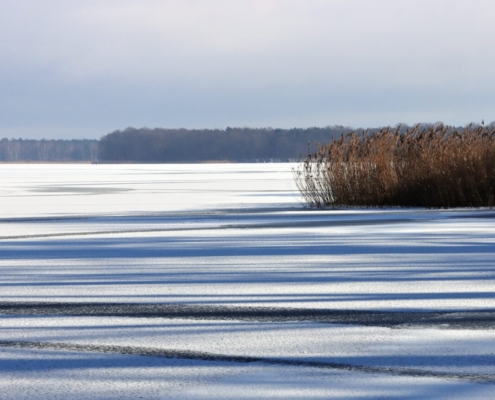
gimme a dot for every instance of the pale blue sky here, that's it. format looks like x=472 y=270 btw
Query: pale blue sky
x=83 y=68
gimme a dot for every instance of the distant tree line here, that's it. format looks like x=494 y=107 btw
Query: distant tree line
x=20 y=150
x=201 y=145
x=160 y=145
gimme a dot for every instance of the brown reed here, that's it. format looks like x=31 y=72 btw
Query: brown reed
x=435 y=167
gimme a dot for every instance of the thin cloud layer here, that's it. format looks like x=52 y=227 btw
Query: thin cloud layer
x=83 y=68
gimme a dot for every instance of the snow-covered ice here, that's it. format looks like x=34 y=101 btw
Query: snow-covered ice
x=235 y=241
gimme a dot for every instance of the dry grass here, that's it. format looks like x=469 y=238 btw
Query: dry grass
x=435 y=167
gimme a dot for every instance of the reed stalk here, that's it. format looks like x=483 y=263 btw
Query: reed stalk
x=436 y=167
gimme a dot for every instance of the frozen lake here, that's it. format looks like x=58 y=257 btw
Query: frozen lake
x=214 y=281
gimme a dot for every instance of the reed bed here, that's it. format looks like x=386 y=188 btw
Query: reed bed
x=434 y=167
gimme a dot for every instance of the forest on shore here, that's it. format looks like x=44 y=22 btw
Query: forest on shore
x=30 y=150
x=229 y=145
x=161 y=145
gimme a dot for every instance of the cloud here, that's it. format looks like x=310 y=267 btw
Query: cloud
x=106 y=64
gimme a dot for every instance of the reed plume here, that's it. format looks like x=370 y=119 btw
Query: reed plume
x=436 y=167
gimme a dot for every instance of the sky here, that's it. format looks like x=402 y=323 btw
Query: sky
x=84 y=68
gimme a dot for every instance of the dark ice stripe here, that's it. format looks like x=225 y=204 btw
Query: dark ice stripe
x=484 y=319
x=203 y=356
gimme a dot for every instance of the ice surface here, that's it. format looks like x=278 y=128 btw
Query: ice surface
x=437 y=350
x=234 y=235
